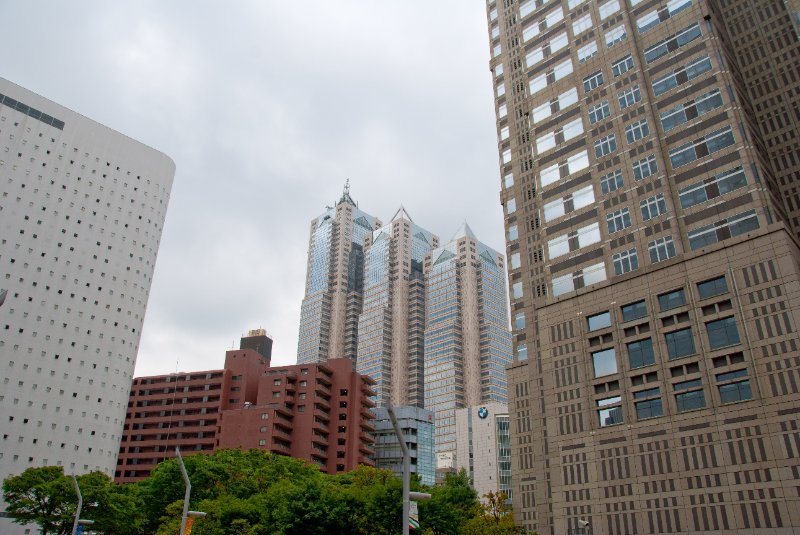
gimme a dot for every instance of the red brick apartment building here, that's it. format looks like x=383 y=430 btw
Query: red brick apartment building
x=317 y=412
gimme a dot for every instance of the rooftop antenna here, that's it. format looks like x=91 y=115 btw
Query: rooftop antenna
x=347 y=187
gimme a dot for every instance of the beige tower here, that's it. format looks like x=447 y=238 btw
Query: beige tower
x=391 y=326
x=334 y=282
x=649 y=163
x=467 y=341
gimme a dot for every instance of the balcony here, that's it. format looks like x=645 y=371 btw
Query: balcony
x=364 y=437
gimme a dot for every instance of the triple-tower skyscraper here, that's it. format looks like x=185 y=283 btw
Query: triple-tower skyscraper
x=428 y=323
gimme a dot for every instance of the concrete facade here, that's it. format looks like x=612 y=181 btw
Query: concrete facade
x=82 y=209
x=483 y=448
x=649 y=163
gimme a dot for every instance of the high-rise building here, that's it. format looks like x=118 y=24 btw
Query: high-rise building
x=319 y=412
x=334 y=282
x=467 y=340
x=391 y=327
x=483 y=448
x=649 y=169
x=183 y=409
x=417 y=426
x=81 y=213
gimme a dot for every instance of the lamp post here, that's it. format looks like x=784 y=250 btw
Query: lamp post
x=406 y=470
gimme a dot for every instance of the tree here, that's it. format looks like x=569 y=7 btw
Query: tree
x=451 y=505
x=494 y=517
x=43 y=496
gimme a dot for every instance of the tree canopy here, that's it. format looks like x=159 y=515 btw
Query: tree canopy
x=251 y=493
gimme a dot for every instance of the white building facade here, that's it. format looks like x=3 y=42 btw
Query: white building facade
x=483 y=447
x=82 y=209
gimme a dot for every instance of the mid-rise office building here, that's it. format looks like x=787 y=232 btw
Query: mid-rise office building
x=417 y=426
x=649 y=158
x=183 y=409
x=391 y=327
x=483 y=448
x=82 y=209
x=317 y=412
x=334 y=282
x=467 y=340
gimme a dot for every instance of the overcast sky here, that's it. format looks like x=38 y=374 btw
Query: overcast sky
x=267 y=107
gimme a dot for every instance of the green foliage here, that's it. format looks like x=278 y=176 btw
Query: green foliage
x=253 y=493
x=43 y=496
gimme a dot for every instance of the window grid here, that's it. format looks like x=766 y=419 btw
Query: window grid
x=618 y=220
x=611 y=182
x=661 y=249
x=625 y=261
x=629 y=97
x=621 y=66
x=645 y=167
x=653 y=206
x=605 y=145
x=636 y=131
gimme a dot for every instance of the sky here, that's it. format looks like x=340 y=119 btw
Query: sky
x=267 y=108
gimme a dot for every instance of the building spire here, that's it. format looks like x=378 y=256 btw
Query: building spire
x=346 y=188
x=346 y=194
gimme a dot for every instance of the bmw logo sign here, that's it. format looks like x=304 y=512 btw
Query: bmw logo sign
x=483 y=412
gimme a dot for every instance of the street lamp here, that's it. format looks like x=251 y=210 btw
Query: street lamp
x=406 y=470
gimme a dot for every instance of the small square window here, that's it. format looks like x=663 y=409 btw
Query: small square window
x=604 y=362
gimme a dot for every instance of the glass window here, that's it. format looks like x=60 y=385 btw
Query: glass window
x=516 y=290
x=515 y=261
x=679 y=343
x=720 y=184
x=729 y=376
x=582 y=24
x=618 y=220
x=513 y=232
x=645 y=167
x=673 y=299
x=599 y=321
x=634 y=311
x=608 y=9
x=681 y=75
x=722 y=332
x=690 y=395
x=640 y=353
x=636 y=131
x=724 y=229
x=604 y=362
x=648 y=403
x=672 y=43
x=615 y=35
x=609 y=415
x=522 y=352
x=653 y=206
x=506 y=156
x=712 y=287
x=611 y=182
x=502 y=111
x=587 y=51
x=504 y=133
x=599 y=111
x=629 y=97
x=511 y=206
x=593 y=81
x=625 y=261
x=700 y=148
x=519 y=320
x=509 y=180
x=605 y=145
x=733 y=392
x=661 y=249
x=621 y=66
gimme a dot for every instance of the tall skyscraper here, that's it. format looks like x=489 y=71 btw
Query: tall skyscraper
x=334 y=282
x=81 y=213
x=391 y=328
x=649 y=166
x=417 y=426
x=467 y=341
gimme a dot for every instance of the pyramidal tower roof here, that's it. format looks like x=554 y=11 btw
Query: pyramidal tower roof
x=464 y=231
x=346 y=194
x=401 y=214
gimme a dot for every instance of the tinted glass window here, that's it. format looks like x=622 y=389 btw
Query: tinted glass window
x=599 y=321
x=634 y=311
x=672 y=299
x=679 y=343
x=712 y=287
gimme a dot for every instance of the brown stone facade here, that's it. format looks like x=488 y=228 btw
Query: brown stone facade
x=648 y=158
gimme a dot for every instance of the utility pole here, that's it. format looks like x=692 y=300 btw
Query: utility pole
x=401 y=439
